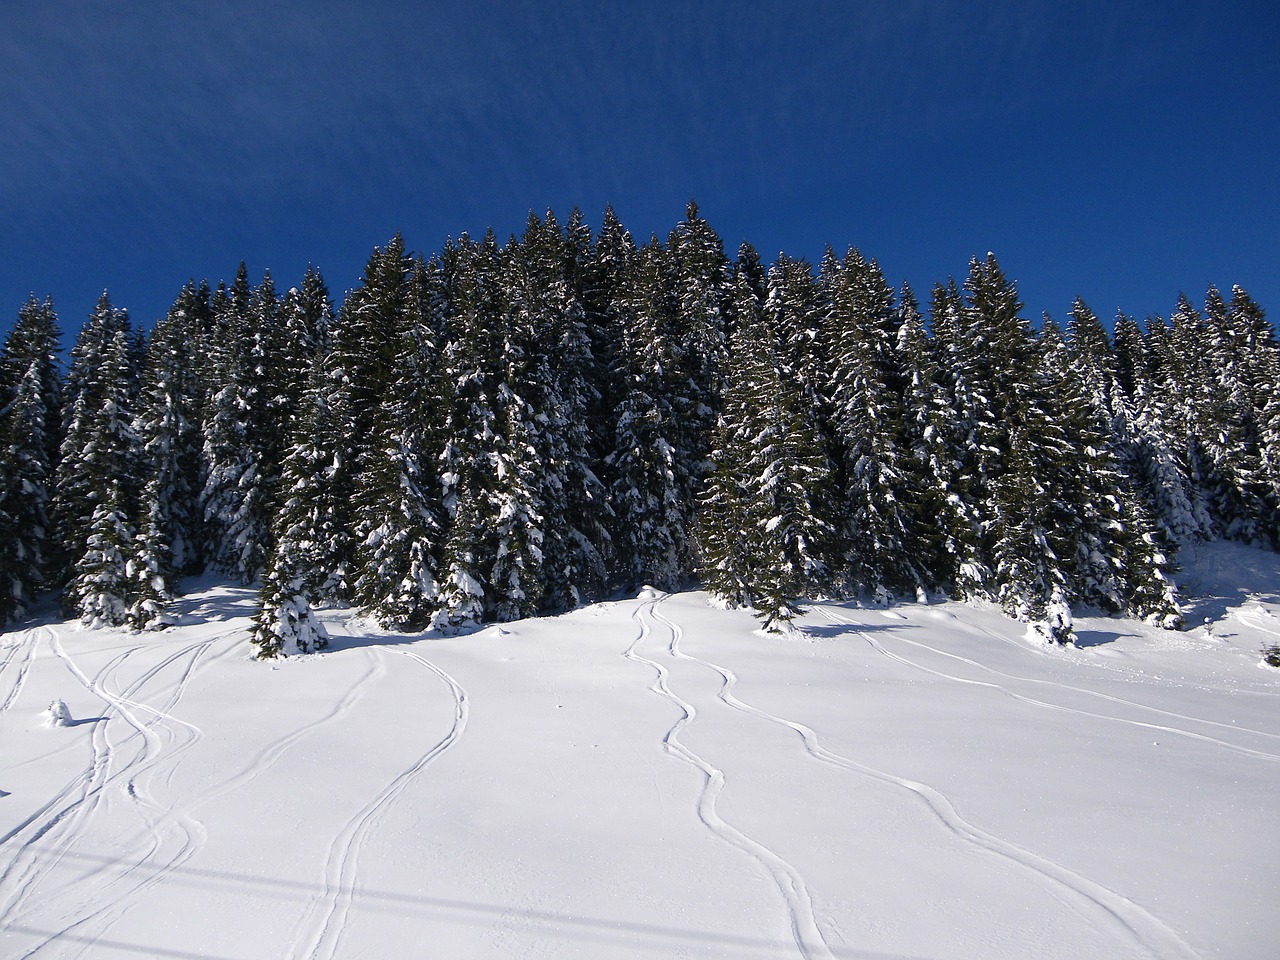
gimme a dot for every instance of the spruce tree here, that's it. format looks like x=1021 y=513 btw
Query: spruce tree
x=650 y=515
x=768 y=435
x=728 y=557
x=466 y=465
x=99 y=474
x=30 y=422
x=866 y=390
x=242 y=444
x=398 y=523
x=168 y=428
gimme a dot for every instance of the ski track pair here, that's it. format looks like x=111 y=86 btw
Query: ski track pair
x=318 y=932
x=47 y=837
x=1161 y=728
x=168 y=840
x=1082 y=894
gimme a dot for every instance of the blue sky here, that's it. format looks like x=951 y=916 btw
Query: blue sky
x=1118 y=150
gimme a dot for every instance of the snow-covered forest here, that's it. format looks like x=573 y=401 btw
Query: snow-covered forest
x=506 y=429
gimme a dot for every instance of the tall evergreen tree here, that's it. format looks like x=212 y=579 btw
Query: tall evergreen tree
x=30 y=422
x=168 y=426
x=866 y=391
x=241 y=442
x=764 y=531
x=399 y=529
x=467 y=463
x=99 y=475
x=651 y=515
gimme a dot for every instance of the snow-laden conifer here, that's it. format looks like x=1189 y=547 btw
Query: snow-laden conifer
x=865 y=386
x=30 y=423
x=99 y=474
x=768 y=435
x=398 y=529
x=649 y=479
x=241 y=436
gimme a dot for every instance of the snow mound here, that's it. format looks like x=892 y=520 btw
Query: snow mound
x=649 y=593
x=58 y=714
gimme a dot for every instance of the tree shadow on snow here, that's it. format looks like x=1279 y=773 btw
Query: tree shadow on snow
x=835 y=631
x=210 y=599
x=1097 y=638
x=340 y=639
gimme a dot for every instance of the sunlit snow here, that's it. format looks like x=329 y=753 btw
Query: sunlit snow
x=649 y=778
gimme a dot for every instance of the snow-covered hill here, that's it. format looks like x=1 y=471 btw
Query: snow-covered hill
x=650 y=778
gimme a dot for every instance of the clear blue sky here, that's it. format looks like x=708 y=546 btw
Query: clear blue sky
x=1119 y=150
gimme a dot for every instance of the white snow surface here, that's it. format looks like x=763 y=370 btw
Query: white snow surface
x=650 y=778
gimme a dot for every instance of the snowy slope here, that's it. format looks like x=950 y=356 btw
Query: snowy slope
x=650 y=778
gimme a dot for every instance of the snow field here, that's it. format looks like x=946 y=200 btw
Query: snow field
x=650 y=777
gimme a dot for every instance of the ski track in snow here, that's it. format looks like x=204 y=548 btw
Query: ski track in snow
x=1253 y=619
x=19 y=654
x=261 y=763
x=1147 y=932
x=169 y=839
x=1160 y=728
x=799 y=905
x=323 y=923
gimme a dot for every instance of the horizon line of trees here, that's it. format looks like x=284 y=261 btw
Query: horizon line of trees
x=503 y=430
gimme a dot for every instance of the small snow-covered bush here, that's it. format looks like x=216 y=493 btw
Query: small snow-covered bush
x=58 y=714
x=1271 y=655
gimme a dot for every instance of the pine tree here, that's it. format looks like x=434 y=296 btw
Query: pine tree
x=772 y=475
x=471 y=428
x=243 y=446
x=1011 y=439
x=954 y=414
x=602 y=281
x=866 y=389
x=699 y=279
x=168 y=428
x=149 y=563
x=398 y=510
x=99 y=474
x=727 y=558
x=651 y=516
x=30 y=420
x=101 y=587
x=925 y=415
x=1029 y=581
x=462 y=593
x=558 y=378
x=285 y=624
x=310 y=551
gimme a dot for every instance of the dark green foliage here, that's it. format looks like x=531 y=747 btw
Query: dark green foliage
x=100 y=475
x=168 y=428
x=764 y=529
x=245 y=427
x=867 y=383
x=505 y=430
x=30 y=424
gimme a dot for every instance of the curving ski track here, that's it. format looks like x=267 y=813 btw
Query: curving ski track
x=1160 y=728
x=1148 y=933
x=17 y=664
x=167 y=840
x=804 y=926
x=326 y=917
